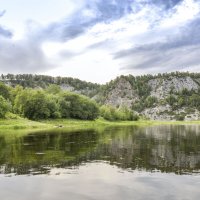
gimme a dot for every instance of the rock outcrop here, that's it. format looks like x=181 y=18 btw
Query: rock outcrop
x=161 y=88
x=122 y=94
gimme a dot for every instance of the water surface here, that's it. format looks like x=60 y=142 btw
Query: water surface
x=159 y=162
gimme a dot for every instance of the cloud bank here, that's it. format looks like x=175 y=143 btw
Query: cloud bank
x=3 y=31
x=129 y=36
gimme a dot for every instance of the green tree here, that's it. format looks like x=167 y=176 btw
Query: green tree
x=171 y=100
x=112 y=114
x=78 y=106
x=53 y=89
x=36 y=106
x=15 y=91
x=181 y=101
x=105 y=112
x=21 y=100
x=150 y=101
x=53 y=106
x=4 y=91
x=64 y=107
x=194 y=100
x=4 y=107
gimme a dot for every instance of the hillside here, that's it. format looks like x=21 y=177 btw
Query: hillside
x=173 y=96
x=170 y=96
x=42 y=81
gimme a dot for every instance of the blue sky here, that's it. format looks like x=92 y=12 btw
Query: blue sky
x=97 y=40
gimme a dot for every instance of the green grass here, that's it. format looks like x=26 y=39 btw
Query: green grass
x=83 y=124
x=21 y=123
x=24 y=124
x=71 y=123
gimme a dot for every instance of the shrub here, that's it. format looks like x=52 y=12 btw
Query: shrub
x=77 y=106
x=180 y=117
x=113 y=114
x=4 y=107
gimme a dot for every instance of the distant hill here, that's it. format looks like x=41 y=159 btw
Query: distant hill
x=42 y=81
x=169 y=96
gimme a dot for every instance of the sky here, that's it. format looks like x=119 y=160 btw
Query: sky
x=97 y=40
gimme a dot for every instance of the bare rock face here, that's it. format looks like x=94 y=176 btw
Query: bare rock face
x=155 y=113
x=122 y=94
x=166 y=113
x=161 y=88
x=197 y=80
x=193 y=116
x=69 y=88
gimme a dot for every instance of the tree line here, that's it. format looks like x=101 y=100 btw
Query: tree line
x=32 y=81
x=53 y=103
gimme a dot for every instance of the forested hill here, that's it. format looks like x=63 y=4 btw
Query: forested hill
x=42 y=81
x=169 y=96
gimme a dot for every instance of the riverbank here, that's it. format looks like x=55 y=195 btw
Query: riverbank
x=17 y=124
x=20 y=123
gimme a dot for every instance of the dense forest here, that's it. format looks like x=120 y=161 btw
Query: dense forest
x=53 y=103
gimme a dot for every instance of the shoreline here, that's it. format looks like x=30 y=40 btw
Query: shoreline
x=25 y=124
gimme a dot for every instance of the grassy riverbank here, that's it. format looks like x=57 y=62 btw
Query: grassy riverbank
x=21 y=123
x=17 y=124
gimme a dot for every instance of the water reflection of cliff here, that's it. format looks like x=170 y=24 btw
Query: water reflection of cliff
x=165 y=148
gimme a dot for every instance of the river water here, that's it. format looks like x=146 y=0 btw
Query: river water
x=119 y=163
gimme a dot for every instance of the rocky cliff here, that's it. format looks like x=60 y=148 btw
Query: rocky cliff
x=163 y=97
x=122 y=94
x=170 y=96
x=162 y=87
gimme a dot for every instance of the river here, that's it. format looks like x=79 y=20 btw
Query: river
x=119 y=163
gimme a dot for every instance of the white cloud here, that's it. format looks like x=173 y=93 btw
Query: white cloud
x=95 y=66
x=80 y=38
x=19 y=12
x=181 y=14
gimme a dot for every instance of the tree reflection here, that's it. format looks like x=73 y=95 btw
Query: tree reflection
x=165 y=148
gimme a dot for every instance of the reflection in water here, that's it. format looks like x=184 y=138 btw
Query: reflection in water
x=164 y=148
